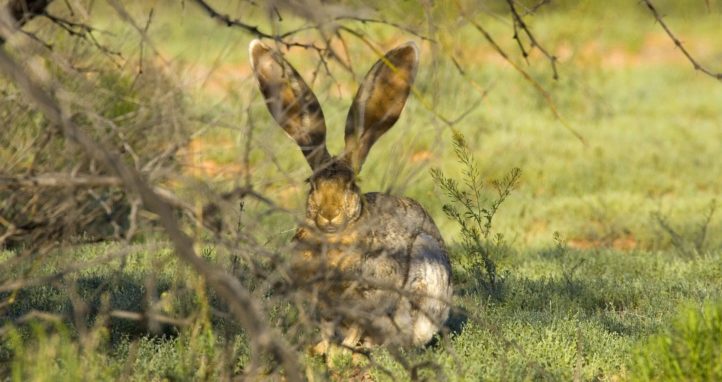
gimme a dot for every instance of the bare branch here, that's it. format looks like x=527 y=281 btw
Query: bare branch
x=321 y=51
x=364 y=20
x=678 y=43
x=79 y=30
x=527 y=76
x=59 y=180
x=145 y=316
x=33 y=315
x=228 y=21
x=25 y=10
x=535 y=7
x=22 y=11
x=519 y=23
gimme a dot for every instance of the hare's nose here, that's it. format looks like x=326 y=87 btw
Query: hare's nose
x=326 y=217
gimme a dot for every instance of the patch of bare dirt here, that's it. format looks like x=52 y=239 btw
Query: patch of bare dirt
x=622 y=243
x=196 y=162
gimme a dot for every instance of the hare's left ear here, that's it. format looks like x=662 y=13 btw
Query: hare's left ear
x=291 y=102
x=379 y=101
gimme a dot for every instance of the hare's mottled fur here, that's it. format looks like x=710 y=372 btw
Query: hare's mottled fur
x=401 y=285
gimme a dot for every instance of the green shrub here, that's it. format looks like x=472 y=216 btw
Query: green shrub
x=691 y=350
x=473 y=207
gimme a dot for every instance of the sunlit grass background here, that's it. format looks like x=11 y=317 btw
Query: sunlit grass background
x=650 y=123
x=603 y=232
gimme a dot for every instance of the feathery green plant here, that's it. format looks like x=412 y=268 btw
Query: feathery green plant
x=473 y=206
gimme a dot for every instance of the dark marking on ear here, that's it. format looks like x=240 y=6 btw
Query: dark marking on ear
x=291 y=102
x=379 y=101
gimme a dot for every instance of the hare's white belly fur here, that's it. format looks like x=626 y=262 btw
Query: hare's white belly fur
x=428 y=276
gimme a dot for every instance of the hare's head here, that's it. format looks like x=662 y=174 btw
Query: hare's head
x=335 y=199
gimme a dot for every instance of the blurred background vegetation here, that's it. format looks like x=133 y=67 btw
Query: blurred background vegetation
x=610 y=232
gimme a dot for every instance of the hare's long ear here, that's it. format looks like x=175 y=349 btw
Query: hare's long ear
x=379 y=101
x=291 y=102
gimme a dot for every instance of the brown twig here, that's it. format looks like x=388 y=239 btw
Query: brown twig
x=25 y=10
x=520 y=24
x=230 y=22
x=145 y=316
x=59 y=180
x=22 y=11
x=280 y=39
x=678 y=43
x=487 y=36
x=33 y=315
x=363 y=20
x=535 y=7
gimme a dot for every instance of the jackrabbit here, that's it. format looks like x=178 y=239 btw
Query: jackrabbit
x=401 y=284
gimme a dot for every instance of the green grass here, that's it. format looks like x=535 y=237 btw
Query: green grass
x=563 y=312
x=594 y=286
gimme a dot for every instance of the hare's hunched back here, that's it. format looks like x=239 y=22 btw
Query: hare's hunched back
x=401 y=285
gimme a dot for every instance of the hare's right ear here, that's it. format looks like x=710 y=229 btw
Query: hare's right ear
x=291 y=102
x=379 y=101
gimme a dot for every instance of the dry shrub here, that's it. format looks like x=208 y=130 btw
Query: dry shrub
x=49 y=189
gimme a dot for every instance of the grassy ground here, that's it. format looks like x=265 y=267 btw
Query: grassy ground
x=610 y=256
x=564 y=313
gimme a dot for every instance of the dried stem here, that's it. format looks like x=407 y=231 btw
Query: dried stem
x=519 y=23
x=487 y=36
x=678 y=43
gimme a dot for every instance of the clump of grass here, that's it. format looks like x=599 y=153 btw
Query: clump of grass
x=691 y=350
x=691 y=242
x=473 y=203
x=55 y=355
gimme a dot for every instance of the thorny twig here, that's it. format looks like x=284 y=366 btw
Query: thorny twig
x=535 y=7
x=363 y=20
x=228 y=21
x=678 y=43
x=86 y=181
x=71 y=27
x=23 y=11
x=321 y=51
x=520 y=24
x=487 y=36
